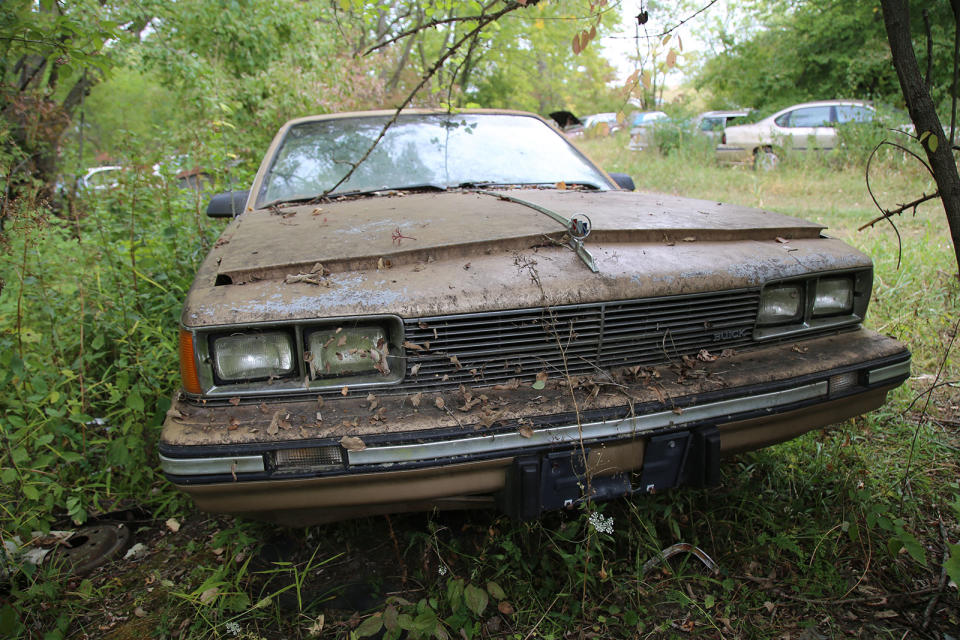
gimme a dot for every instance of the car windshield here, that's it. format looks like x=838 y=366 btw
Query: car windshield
x=646 y=117
x=422 y=150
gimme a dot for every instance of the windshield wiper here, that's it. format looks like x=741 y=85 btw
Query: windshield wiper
x=578 y=227
x=290 y=202
x=539 y=185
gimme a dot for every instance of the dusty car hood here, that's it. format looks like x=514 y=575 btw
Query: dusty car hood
x=466 y=252
x=357 y=234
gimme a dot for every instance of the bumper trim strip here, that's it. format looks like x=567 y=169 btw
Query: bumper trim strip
x=888 y=372
x=714 y=411
x=210 y=466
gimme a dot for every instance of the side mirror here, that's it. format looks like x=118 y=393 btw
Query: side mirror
x=227 y=205
x=623 y=181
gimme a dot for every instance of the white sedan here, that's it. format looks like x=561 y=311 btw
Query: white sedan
x=810 y=126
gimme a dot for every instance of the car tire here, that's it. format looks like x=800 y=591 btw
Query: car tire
x=765 y=159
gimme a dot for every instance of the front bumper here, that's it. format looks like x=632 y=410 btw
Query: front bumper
x=671 y=428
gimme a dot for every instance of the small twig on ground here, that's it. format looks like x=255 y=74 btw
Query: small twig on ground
x=533 y=630
x=928 y=612
x=396 y=549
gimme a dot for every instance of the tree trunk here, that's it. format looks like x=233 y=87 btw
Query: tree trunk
x=896 y=17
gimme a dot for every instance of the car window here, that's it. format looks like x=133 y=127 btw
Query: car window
x=854 y=113
x=712 y=124
x=107 y=178
x=809 y=117
x=423 y=149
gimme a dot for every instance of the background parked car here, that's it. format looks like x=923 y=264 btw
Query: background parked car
x=99 y=178
x=802 y=127
x=641 y=128
x=601 y=124
x=712 y=123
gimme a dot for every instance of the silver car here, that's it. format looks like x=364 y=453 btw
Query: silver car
x=810 y=126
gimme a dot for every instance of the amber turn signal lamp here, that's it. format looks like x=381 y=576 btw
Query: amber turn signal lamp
x=188 y=364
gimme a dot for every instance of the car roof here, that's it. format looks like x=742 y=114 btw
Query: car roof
x=829 y=103
x=724 y=112
x=342 y=115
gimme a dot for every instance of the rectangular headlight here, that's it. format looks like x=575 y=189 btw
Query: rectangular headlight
x=781 y=303
x=834 y=296
x=253 y=356
x=353 y=351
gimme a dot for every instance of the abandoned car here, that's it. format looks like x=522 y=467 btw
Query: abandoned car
x=460 y=310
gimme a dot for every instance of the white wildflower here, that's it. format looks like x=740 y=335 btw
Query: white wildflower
x=233 y=628
x=601 y=523
x=442 y=570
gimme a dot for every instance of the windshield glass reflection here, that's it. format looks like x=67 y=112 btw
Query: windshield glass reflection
x=423 y=150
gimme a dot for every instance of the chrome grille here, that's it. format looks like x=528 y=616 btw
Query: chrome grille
x=495 y=347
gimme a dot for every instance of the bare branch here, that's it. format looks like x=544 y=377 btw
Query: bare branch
x=901 y=208
x=686 y=20
x=483 y=21
x=422 y=27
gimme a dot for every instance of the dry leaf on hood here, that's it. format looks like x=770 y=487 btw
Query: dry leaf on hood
x=352 y=443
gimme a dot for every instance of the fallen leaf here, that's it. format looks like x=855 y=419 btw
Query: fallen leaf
x=889 y=613
x=456 y=362
x=234 y=424
x=344 y=391
x=174 y=413
x=509 y=385
x=309 y=278
x=274 y=427
x=208 y=596
x=439 y=402
x=409 y=345
x=415 y=369
x=799 y=349
x=352 y=443
x=505 y=608
x=315 y=628
x=689 y=239
x=415 y=399
x=705 y=356
x=139 y=612
x=526 y=430
x=173 y=524
x=234 y=401
x=769 y=606
x=782 y=240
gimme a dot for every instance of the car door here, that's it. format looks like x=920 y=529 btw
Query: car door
x=808 y=128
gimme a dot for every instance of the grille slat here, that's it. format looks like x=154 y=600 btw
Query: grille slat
x=596 y=336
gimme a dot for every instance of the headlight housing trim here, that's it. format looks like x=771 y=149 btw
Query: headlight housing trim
x=301 y=377
x=818 y=312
